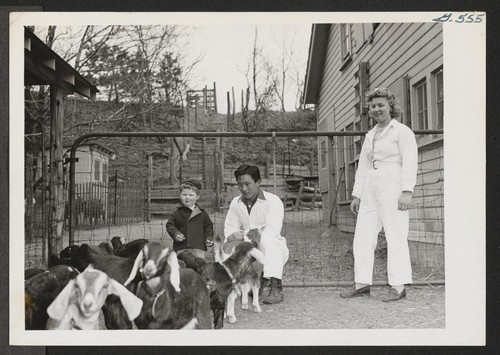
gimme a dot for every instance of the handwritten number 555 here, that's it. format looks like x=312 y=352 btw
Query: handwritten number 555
x=464 y=18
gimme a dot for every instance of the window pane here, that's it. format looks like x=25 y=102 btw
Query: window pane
x=345 y=42
x=421 y=98
x=105 y=172
x=439 y=98
x=97 y=170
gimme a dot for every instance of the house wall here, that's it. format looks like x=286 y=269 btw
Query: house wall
x=85 y=167
x=398 y=54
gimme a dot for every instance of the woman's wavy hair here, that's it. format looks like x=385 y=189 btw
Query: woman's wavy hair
x=395 y=109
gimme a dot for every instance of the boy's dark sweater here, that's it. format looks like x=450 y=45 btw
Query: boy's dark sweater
x=195 y=225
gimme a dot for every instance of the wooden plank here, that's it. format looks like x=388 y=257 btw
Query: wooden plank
x=299 y=196
x=436 y=164
x=433 y=154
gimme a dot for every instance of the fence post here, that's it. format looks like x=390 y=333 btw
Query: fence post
x=203 y=164
x=196 y=112
x=274 y=162
x=149 y=187
x=311 y=164
x=115 y=197
x=332 y=191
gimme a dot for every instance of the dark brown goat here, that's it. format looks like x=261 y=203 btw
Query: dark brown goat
x=172 y=297
x=127 y=250
x=39 y=292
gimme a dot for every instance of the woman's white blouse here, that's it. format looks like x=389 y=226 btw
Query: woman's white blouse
x=395 y=145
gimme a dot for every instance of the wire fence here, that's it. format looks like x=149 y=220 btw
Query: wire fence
x=131 y=187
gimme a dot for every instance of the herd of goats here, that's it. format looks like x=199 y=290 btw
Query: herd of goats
x=143 y=283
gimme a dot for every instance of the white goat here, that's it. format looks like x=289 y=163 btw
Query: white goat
x=78 y=305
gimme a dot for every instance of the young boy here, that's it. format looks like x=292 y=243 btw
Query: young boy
x=190 y=226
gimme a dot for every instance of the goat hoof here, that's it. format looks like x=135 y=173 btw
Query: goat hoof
x=244 y=306
x=257 y=309
x=231 y=319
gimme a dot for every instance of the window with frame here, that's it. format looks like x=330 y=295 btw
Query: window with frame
x=427 y=100
x=104 y=172
x=420 y=93
x=97 y=170
x=439 y=97
x=345 y=41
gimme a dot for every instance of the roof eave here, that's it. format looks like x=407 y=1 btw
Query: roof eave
x=315 y=61
x=46 y=67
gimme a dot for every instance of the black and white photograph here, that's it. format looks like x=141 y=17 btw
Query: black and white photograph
x=290 y=175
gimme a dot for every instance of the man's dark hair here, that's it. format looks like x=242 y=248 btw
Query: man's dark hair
x=246 y=169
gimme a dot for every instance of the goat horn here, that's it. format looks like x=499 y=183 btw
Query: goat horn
x=175 y=276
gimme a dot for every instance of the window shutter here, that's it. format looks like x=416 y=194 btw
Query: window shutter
x=401 y=89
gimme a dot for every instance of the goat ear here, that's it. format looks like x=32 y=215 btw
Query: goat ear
x=257 y=254
x=175 y=276
x=138 y=262
x=192 y=324
x=59 y=306
x=130 y=302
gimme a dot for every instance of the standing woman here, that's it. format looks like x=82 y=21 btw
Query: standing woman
x=382 y=192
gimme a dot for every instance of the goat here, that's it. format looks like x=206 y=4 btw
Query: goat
x=187 y=258
x=72 y=254
x=29 y=273
x=39 y=292
x=172 y=297
x=78 y=305
x=224 y=279
x=128 y=250
x=116 y=267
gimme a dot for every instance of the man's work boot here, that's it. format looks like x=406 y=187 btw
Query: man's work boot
x=264 y=287
x=276 y=294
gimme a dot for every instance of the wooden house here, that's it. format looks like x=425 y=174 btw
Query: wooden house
x=92 y=163
x=345 y=62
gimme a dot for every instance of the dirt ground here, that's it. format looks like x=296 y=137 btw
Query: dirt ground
x=323 y=308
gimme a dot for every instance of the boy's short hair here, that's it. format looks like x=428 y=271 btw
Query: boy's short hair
x=246 y=169
x=190 y=185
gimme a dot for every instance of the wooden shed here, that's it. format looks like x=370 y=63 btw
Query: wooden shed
x=42 y=66
x=347 y=60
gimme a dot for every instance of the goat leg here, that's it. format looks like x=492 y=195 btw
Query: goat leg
x=255 y=298
x=231 y=317
x=245 y=288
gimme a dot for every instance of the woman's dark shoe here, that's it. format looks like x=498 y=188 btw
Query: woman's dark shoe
x=394 y=295
x=360 y=292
